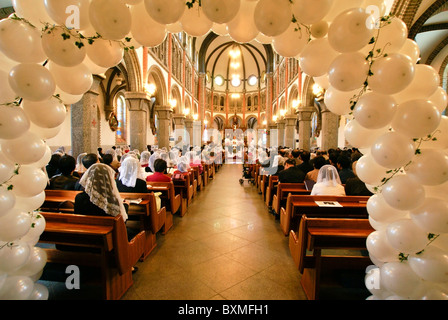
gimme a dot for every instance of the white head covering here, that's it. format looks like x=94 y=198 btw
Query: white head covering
x=126 y=155
x=79 y=166
x=130 y=171
x=98 y=182
x=152 y=158
x=144 y=157
x=182 y=166
x=329 y=176
x=113 y=153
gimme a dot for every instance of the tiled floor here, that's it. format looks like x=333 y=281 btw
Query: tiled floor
x=226 y=247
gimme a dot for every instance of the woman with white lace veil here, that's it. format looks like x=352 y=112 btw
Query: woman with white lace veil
x=328 y=182
x=100 y=195
x=152 y=158
x=130 y=178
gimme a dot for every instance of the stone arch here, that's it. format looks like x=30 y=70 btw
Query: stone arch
x=133 y=68
x=155 y=76
x=175 y=94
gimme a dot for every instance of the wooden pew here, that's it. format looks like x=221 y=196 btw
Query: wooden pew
x=170 y=200
x=184 y=188
x=151 y=220
x=317 y=234
x=199 y=178
x=283 y=189
x=271 y=189
x=116 y=255
x=193 y=182
x=297 y=205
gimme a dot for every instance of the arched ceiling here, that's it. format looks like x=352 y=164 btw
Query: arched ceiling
x=223 y=59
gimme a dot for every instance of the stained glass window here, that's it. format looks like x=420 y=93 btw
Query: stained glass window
x=122 y=118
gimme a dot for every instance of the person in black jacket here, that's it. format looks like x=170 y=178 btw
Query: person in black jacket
x=66 y=180
x=291 y=173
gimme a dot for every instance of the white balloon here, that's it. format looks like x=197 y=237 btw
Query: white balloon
x=392 y=36
x=340 y=6
x=348 y=71
x=262 y=38
x=370 y=171
x=7 y=200
x=26 y=149
x=423 y=85
x=309 y=12
x=30 y=204
x=375 y=110
x=74 y=80
x=381 y=211
x=7 y=168
x=60 y=50
x=13 y=256
x=63 y=14
x=431 y=264
x=195 y=22
x=398 y=277
x=440 y=99
x=360 y=137
x=45 y=133
x=105 y=53
x=403 y=193
x=29 y=182
x=272 y=17
x=416 y=118
x=340 y=102
x=165 y=12
x=319 y=29
x=14 y=122
x=349 y=32
x=38 y=112
x=322 y=81
x=175 y=27
x=242 y=28
x=145 y=30
x=378 y=247
x=67 y=98
x=220 y=11
x=316 y=57
x=405 y=236
x=110 y=18
x=291 y=42
x=40 y=292
x=7 y=95
x=14 y=225
x=411 y=49
x=220 y=29
x=429 y=167
x=20 y=42
x=391 y=74
x=437 y=191
x=32 y=82
x=392 y=150
x=440 y=137
x=432 y=215
x=17 y=288
x=33 y=11
x=36 y=263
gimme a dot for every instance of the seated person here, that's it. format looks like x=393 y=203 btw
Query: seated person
x=159 y=174
x=66 y=180
x=182 y=168
x=344 y=166
x=52 y=167
x=328 y=182
x=318 y=162
x=144 y=159
x=291 y=173
x=305 y=166
x=130 y=178
x=87 y=161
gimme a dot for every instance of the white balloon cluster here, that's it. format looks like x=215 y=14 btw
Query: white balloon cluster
x=50 y=49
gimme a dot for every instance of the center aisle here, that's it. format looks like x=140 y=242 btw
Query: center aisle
x=227 y=246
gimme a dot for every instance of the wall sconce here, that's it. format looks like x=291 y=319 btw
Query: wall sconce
x=296 y=103
x=150 y=88
x=173 y=103
x=317 y=90
x=282 y=112
x=274 y=118
x=195 y=117
x=186 y=112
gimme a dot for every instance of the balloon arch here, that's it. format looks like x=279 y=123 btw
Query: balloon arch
x=51 y=48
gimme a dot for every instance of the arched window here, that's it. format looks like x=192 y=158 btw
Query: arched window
x=122 y=120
